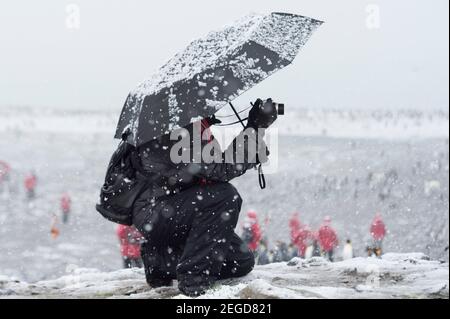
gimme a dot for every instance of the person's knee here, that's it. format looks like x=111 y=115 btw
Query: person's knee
x=231 y=199
x=234 y=195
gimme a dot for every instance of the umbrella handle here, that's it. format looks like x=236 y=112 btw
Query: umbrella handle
x=237 y=115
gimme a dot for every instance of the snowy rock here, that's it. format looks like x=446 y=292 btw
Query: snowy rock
x=392 y=276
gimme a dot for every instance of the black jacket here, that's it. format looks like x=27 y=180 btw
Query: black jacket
x=171 y=178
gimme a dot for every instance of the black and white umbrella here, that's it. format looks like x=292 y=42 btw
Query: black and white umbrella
x=211 y=72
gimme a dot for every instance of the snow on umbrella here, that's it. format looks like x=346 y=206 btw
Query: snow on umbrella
x=211 y=72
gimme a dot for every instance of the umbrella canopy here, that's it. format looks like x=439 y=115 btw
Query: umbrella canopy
x=211 y=72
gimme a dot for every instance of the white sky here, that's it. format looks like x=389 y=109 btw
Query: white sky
x=404 y=63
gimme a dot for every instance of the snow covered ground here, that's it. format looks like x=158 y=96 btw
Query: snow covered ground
x=346 y=164
x=392 y=276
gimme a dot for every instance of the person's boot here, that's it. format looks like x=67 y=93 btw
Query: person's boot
x=156 y=279
x=159 y=282
x=194 y=286
x=193 y=291
x=155 y=276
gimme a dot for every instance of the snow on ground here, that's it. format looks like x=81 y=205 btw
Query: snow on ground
x=411 y=275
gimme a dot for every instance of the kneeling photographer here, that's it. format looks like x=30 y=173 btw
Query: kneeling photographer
x=189 y=213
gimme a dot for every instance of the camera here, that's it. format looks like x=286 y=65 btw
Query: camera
x=264 y=113
x=279 y=107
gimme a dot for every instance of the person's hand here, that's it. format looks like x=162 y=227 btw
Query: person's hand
x=262 y=114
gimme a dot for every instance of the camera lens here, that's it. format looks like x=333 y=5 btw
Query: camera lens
x=280 y=109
